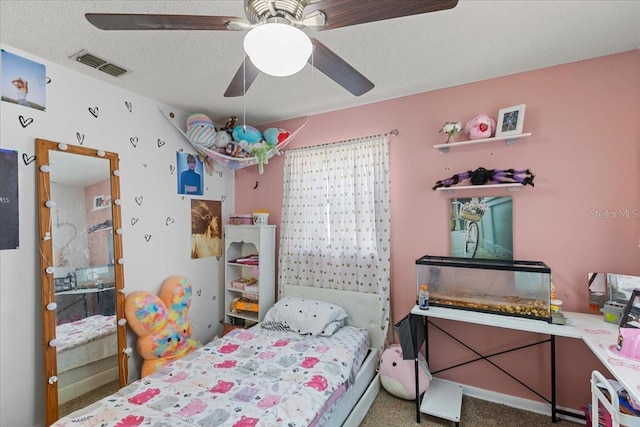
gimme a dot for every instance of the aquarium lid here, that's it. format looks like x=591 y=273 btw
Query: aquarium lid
x=489 y=264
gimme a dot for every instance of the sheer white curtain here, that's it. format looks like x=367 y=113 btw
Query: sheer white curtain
x=336 y=219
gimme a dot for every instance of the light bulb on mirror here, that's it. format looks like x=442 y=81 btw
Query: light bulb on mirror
x=50 y=270
x=54 y=342
x=127 y=351
x=50 y=203
x=121 y=261
x=52 y=380
x=119 y=231
x=45 y=168
x=116 y=172
x=52 y=306
x=122 y=322
x=117 y=202
x=62 y=146
x=100 y=153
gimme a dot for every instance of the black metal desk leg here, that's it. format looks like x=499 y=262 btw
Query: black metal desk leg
x=414 y=338
x=554 y=419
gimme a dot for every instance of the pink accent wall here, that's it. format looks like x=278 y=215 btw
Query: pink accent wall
x=585 y=152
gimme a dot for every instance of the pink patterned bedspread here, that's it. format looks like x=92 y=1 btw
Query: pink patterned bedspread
x=253 y=377
x=80 y=332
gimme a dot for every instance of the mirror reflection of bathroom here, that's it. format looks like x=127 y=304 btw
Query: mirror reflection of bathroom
x=610 y=288
x=83 y=255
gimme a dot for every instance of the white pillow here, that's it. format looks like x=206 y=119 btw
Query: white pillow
x=305 y=316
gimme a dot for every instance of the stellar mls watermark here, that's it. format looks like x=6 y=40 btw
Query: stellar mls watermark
x=614 y=213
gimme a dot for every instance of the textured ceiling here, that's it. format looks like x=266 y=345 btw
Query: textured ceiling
x=476 y=40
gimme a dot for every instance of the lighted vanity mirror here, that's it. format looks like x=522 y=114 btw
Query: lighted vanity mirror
x=81 y=274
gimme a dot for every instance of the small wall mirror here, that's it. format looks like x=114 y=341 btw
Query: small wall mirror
x=82 y=275
x=611 y=287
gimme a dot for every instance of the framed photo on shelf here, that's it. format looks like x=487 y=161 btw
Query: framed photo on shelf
x=510 y=121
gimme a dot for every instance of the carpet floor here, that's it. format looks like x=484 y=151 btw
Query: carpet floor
x=388 y=410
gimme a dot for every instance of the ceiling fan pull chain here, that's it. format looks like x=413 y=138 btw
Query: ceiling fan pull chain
x=244 y=94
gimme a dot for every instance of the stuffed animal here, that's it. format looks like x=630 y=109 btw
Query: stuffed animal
x=222 y=139
x=481 y=126
x=246 y=133
x=397 y=376
x=275 y=136
x=201 y=130
x=161 y=323
x=230 y=125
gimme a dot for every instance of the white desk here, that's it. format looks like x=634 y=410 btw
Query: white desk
x=591 y=328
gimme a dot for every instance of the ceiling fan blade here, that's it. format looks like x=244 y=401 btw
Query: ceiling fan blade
x=243 y=79
x=338 y=70
x=342 y=13
x=133 y=21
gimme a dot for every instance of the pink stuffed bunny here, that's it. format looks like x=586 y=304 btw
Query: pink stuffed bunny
x=481 y=126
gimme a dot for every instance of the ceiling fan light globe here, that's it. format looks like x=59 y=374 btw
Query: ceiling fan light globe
x=278 y=49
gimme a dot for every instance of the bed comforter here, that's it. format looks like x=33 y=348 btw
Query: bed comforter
x=253 y=377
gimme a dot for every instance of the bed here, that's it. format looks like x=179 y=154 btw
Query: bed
x=86 y=355
x=260 y=377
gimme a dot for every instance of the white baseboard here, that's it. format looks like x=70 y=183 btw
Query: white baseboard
x=518 y=402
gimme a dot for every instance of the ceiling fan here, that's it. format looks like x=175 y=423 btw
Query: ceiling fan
x=291 y=15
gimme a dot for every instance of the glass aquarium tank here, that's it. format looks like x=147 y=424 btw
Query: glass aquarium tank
x=507 y=287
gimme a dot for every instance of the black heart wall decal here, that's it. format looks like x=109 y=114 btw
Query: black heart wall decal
x=134 y=220
x=139 y=200
x=169 y=221
x=160 y=143
x=147 y=237
x=172 y=169
x=25 y=121
x=128 y=105
x=94 y=112
x=134 y=141
x=80 y=138
x=28 y=159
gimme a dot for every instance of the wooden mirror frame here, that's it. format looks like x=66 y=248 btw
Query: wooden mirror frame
x=43 y=148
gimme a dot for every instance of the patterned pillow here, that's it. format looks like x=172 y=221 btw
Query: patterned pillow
x=305 y=316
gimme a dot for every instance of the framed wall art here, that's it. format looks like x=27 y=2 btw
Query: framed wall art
x=510 y=121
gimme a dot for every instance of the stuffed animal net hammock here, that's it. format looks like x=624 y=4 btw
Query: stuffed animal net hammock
x=238 y=162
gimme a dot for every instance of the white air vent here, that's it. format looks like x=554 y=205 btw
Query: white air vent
x=93 y=61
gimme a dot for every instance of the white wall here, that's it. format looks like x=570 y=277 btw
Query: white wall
x=145 y=171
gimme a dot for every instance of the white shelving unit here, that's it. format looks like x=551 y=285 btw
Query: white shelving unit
x=241 y=241
x=510 y=140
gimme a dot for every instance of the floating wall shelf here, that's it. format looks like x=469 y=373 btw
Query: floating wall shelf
x=510 y=140
x=508 y=186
